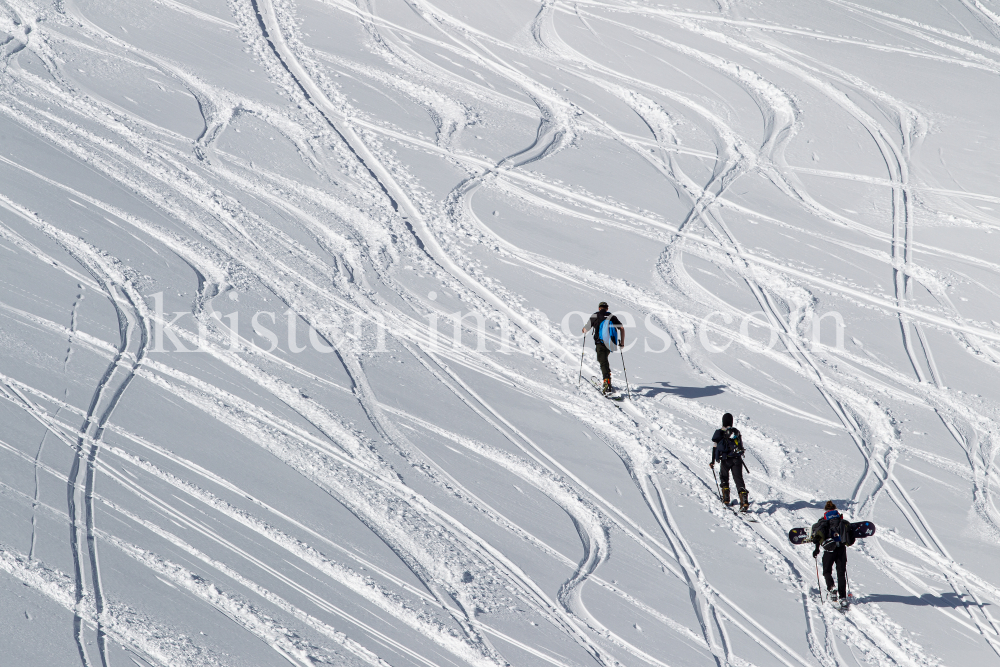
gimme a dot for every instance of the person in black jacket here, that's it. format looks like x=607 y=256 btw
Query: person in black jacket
x=603 y=351
x=833 y=533
x=728 y=451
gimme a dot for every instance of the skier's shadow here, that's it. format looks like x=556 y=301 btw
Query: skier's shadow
x=771 y=506
x=649 y=391
x=949 y=600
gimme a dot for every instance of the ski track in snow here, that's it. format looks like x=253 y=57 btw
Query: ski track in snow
x=394 y=139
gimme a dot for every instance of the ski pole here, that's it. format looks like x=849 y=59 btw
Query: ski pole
x=717 y=489
x=627 y=388
x=582 y=350
x=819 y=585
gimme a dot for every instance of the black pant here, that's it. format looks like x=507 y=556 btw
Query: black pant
x=602 y=359
x=735 y=464
x=838 y=556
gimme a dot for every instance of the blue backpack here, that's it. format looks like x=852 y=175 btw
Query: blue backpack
x=607 y=333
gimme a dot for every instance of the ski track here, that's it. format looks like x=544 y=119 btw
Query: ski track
x=363 y=218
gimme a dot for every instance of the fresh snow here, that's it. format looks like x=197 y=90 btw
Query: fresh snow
x=238 y=426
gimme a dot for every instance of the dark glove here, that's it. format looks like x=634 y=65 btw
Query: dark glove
x=816 y=552
x=712 y=465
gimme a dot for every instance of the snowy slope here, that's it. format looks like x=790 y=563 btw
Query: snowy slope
x=238 y=426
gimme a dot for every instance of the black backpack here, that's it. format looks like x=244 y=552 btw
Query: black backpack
x=834 y=531
x=730 y=445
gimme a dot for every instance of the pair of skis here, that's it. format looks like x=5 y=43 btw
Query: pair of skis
x=836 y=604
x=742 y=513
x=593 y=380
x=614 y=396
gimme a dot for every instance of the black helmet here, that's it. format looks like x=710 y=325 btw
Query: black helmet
x=603 y=304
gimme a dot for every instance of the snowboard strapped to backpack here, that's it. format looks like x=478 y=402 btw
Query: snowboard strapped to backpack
x=859 y=531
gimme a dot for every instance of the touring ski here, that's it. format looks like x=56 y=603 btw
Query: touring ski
x=614 y=395
x=746 y=515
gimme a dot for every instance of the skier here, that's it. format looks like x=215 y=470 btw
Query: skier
x=603 y=349
x=833 y=533
x=728 y=451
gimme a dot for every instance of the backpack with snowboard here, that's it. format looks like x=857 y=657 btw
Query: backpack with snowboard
x=848 y=532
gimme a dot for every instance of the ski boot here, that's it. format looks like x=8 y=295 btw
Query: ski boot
x=725 y=495
x=844 y=604
x=832 y=592
x=607 y=386
x=744 y=501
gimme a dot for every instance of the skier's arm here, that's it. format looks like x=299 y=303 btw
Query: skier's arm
x=589 y=325
x=716 y=437
x=816 y=536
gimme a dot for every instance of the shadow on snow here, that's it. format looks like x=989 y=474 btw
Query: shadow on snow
x=771 y=506
x=649 y=391
x=947 y=600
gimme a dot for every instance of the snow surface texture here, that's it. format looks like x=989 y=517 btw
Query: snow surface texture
x=367 y=492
